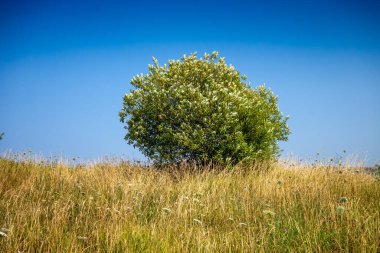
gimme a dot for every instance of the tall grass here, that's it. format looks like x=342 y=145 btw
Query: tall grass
x=126 y=208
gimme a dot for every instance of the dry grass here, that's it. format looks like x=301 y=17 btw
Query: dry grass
x=124 y=208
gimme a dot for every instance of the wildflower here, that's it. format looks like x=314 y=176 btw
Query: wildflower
x=340 y=210
x=343 y=200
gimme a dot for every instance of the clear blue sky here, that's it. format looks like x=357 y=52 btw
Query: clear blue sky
x=65 y=65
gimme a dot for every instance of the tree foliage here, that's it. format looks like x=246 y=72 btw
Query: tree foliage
x=201 y=109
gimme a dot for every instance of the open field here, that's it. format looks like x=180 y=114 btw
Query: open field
x=125 y=208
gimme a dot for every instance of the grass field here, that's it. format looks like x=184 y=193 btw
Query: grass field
x=125 y=208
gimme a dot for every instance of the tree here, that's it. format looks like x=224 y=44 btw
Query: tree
x=201 y=110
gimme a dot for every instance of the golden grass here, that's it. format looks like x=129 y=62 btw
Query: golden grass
x=125 y=208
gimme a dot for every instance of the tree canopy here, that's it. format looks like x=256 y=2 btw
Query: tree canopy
x=201 y=109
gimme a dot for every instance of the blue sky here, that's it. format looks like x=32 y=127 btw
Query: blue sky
x=65 y=65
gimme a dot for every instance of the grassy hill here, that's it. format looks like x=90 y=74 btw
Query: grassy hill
x=126 y=208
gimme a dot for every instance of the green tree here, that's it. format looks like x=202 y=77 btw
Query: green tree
x=201 y=110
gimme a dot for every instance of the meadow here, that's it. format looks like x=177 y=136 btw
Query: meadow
x=123 y=207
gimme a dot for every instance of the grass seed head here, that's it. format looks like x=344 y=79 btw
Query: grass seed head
x=340 y=210
x=196 y=200
x=165 y=209
x=197 y=221
x=4 y=230
x=269 y=213
x=343 y=200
